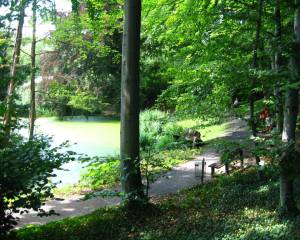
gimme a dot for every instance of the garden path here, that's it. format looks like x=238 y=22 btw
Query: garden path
x=180 y=177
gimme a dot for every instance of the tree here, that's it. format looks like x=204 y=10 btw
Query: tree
x=32 y=112
x=130 y=158
x=278 y=65
x=87 y=48
x=13 y=69
x=257 y=44
x=287 y=201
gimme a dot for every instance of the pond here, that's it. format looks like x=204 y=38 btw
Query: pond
x=95 y=136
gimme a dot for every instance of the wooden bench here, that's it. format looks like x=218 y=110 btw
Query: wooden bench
x=214 y=166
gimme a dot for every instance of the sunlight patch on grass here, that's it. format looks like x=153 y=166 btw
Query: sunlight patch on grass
x=70 y=190
x=215 y=131
x=208 y=132
x=264 y=189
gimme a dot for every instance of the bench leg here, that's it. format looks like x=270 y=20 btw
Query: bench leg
x=227 y=168
x=212 y=171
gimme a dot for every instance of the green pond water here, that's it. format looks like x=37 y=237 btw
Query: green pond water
x=95 y=136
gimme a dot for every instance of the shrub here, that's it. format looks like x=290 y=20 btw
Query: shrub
x=26 y=169
x=152 y=122
x=101 y=171
x=158 y=129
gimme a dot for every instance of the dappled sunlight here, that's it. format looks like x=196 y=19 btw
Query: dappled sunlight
x=74 y=206
x=68 y=209
x=255 y=213
x=274 y=231
x=258 y=222
x=264 y=189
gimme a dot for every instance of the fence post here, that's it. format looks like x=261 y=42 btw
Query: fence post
x=197 y=169
x=203 y=170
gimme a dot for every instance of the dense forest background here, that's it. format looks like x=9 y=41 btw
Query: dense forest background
x=196 y=58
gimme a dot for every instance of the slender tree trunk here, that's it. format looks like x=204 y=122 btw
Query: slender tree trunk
x=287 y=202
x=13 y=71
x=130 y=158
x=255 y=66
x=32 y=112
x=278 y=67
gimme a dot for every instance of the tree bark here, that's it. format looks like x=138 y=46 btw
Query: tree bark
x=287 y=202
x=278 y=67
x=130 y=158
x=13 y=71
x=255 y=66
x=32 y=112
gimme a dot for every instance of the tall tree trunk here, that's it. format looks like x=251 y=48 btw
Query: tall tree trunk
x=32 y=112
x=255 y=66
x=130 y=158
x=278 y=67
x=13 y=71
x=287 y=202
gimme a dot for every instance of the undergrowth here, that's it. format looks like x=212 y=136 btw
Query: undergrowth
x=232 y=207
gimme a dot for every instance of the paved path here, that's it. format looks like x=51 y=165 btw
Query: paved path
x=180 y=177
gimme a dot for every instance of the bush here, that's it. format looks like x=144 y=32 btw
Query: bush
x=26 y=169
x=158 y=130
x=152 y=122
x=101 y=172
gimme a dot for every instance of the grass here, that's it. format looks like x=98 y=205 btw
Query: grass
x=70 y=190
x=232 y=207
x=208 y=131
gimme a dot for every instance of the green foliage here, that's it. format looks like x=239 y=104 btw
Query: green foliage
x=87 y=55
x=191 y=50
x=83 y=100
x=158 y=130
x=232 y=207
x=151 y=125
x=26 y=171
x=282 y=155
x=58 y=97
x=205 y=52
x=196 y=57
x=101 y=172
x=4 y=71
x=230 y=150
x=67 y=99
x=26 y=168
